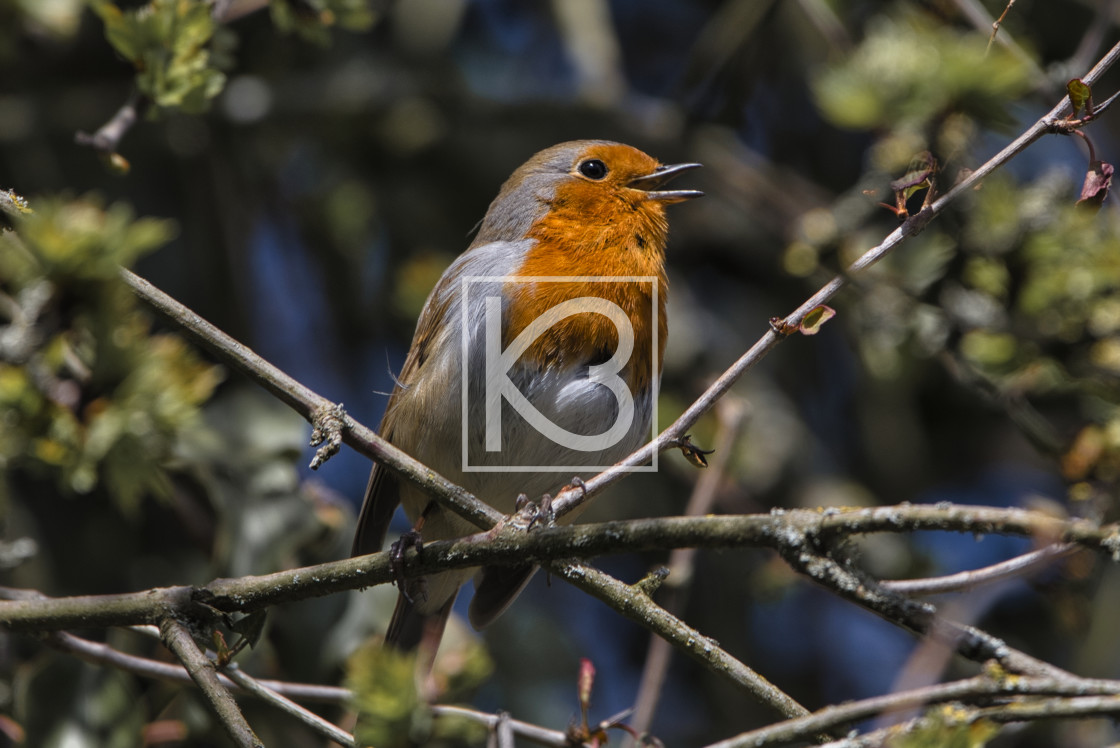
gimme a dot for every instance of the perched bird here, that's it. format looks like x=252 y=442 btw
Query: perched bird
x=536 y=358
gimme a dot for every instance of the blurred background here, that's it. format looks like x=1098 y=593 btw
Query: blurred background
x=329 y=160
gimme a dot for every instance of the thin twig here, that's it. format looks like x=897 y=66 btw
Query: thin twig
x=99 y=653
x=107 y=139
x=289 y=707
x=970 y=689
x=999 y=21
x=982 y=20
x=730 y=413
x=178 y=639
x=534 y=733
x=967 y=580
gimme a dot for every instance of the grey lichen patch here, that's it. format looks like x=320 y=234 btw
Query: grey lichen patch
x=1112 y=545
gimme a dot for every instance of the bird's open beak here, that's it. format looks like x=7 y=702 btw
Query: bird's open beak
x=649 y=183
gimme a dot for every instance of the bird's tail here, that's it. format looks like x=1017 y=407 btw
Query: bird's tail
x=409 y=628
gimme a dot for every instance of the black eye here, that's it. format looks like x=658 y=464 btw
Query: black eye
x=593 y=168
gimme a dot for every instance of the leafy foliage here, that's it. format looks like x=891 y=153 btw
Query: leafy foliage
x=166 y=40
x=947 y=726
x=390 y=710
x=87 y=393
x=908 y=74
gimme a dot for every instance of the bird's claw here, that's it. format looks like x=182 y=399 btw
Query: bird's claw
x=529 y=514
x=544 y=513
x=397 y=551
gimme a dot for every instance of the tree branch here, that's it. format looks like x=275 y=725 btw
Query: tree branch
x=323 y=413
x=788 y=532
x=971 y=689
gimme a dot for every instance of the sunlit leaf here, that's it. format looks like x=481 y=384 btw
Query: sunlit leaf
x=815 y=319
x=1079 y=94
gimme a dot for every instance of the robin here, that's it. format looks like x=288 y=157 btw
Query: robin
x=537 y=355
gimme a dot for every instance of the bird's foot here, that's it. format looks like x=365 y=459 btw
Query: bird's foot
x=410 y=588
x=542 y=513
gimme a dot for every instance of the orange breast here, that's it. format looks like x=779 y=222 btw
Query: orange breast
x=588 y=236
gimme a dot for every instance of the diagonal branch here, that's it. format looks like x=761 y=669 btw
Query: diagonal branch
x=286 y=705
x=178 y=639
x=634 y=603
x=318 y=410
x=1048 y=123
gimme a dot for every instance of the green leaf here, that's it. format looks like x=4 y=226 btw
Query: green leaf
x=389 y=706
x=815 y=319
x=1079 y=94
x=95 y=400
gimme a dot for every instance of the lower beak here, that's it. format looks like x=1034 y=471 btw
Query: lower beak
x=649 y=183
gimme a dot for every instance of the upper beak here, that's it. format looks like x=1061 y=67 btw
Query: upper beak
x=662 y=174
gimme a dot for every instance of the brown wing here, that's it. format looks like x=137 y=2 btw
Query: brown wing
x=381 y=500
x=383 y=494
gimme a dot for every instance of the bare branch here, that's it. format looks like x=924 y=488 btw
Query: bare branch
x=539 y=735
x=289 y=707
x=788 y=532
x=636 y=605
x=970 y=689
x=99 y=653
x=967 y=580
x=919 y=618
